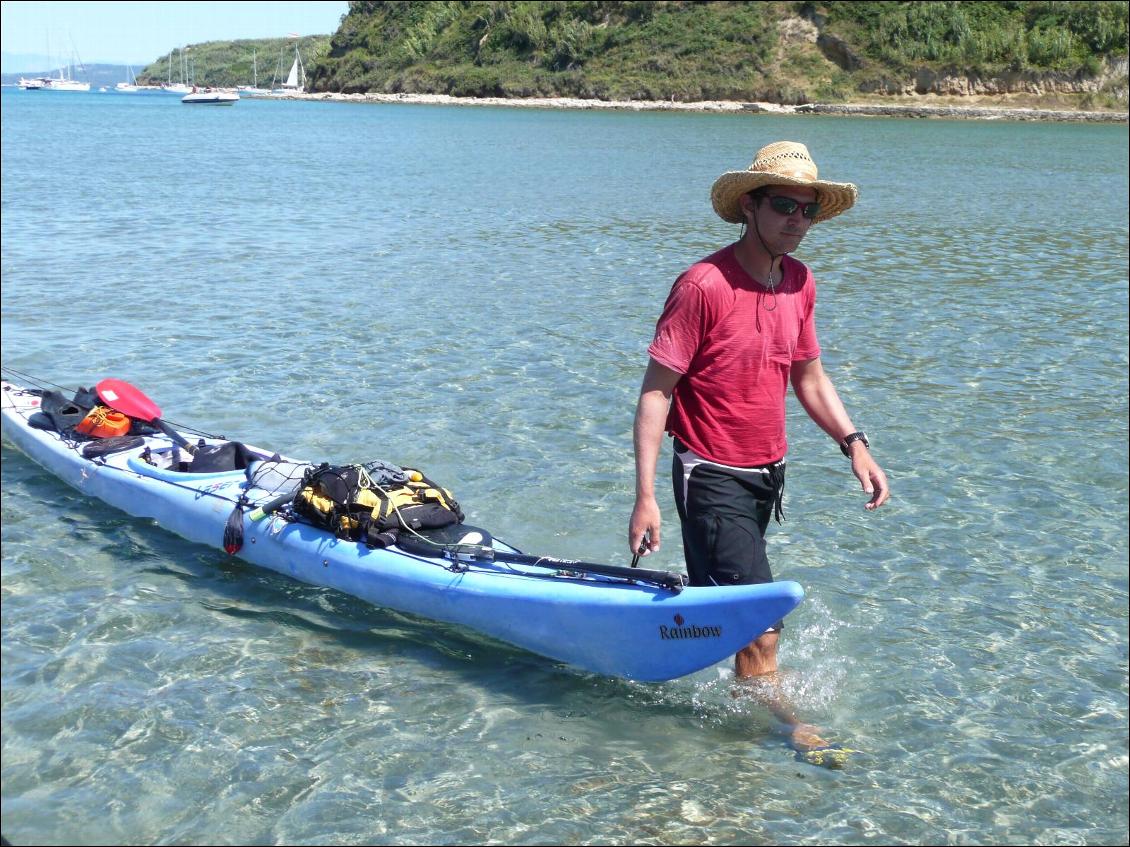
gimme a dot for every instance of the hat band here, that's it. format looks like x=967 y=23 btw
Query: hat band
x=799 y=173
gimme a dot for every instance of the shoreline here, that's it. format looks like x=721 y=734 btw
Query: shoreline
x=900 y=110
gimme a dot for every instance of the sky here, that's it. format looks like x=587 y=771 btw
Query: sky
x=136 y=33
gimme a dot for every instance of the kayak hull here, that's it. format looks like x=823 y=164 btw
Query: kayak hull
x=600 y=624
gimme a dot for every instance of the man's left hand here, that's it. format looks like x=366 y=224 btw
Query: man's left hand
x=870 y=476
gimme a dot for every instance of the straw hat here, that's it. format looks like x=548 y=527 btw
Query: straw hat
x=781 y=163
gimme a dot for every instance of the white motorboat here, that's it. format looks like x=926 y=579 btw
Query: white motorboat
x=210 y=97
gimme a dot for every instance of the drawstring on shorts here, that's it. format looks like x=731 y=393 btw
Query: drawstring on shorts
x=777 y=480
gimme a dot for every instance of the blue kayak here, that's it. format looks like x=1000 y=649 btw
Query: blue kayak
x=630 y=623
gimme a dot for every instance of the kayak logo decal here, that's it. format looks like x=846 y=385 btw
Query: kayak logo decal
x=680 y=631
x=213 y=487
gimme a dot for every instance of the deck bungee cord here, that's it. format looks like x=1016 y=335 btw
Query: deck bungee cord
x=470 y=546
x=97 y=451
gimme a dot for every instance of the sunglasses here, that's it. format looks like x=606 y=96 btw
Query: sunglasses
x=787 y=205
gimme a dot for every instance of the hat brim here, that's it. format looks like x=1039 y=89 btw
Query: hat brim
x=835 y=198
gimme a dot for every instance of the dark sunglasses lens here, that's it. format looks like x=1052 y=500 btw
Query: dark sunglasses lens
x=783 y=205
x=787 y=205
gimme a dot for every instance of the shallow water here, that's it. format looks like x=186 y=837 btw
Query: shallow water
x=473 y=290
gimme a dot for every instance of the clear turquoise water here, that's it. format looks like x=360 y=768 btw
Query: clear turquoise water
x=473 y=290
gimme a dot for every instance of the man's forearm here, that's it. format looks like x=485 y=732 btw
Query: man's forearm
x=647 y=435
x=818 y=396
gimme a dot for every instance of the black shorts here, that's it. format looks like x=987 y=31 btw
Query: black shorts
x=724 y=513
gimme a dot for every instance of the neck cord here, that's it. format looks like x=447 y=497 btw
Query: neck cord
x=772 y=286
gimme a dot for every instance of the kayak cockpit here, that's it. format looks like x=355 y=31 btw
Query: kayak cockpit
x=205 y=461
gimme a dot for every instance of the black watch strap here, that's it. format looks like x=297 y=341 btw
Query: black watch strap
x=851 y=439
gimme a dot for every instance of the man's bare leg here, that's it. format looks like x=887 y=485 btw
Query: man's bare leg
x=759 y=659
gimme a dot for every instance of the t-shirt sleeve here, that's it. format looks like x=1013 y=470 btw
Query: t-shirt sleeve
x=808 y=346
x=679 y=330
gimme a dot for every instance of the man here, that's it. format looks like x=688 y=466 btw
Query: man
x=737 y=328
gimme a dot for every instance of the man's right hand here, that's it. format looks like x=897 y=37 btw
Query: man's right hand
x=643 y=528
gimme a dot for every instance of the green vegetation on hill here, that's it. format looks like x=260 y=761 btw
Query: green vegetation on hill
x=777 y=51
x=608 y=50
x=984 y=37
x=784 y=52
x=227 y=64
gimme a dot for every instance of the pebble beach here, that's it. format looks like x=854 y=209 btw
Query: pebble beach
x=900 y=110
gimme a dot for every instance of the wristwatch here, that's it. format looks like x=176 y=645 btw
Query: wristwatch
x=852 y=438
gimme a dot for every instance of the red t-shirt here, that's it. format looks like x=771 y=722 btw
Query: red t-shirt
x=734 y=344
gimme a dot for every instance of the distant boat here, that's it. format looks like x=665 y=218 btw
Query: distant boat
x=65 y=81
x=180 y=87
x=210 y=97
x=130 y=85
x=296 y=79
x=62 y=82
x=253 y=90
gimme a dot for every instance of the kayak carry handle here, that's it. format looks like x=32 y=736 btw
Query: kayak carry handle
x=260 y=512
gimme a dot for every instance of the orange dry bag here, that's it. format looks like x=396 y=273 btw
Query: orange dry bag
x=104 y=423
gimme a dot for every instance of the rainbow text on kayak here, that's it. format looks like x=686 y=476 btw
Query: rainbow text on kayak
x=669 y=632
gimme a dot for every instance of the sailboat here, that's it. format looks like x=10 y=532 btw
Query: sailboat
x=65 y=81
x=296 y=79
x=130 y=85
x=181 y=87
x=253 y=90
